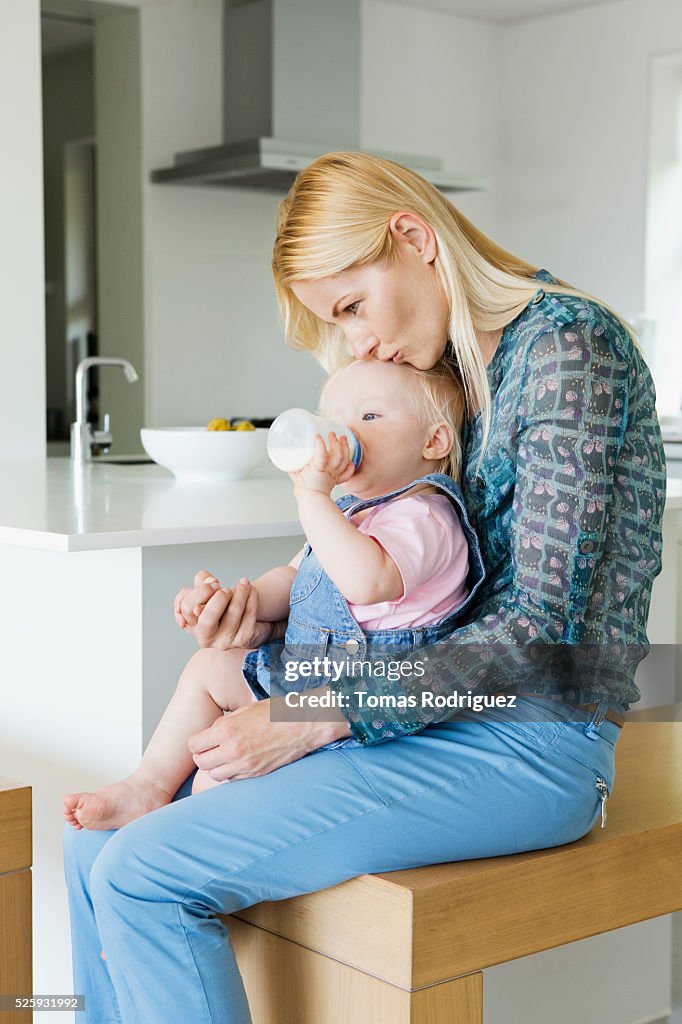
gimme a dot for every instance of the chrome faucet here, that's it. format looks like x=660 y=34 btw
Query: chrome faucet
x=86 y=443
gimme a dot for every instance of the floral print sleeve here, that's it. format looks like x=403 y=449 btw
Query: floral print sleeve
x=567 y=500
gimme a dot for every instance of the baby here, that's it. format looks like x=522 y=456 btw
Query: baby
x=389 y=562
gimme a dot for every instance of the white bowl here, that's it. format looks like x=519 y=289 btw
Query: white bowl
x=195 y=453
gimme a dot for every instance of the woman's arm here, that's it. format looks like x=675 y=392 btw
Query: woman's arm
x=571 y=416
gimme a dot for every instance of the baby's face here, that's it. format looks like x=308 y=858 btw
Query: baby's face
x=374 y=399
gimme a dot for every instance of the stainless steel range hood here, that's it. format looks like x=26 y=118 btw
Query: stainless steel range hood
x=291 y=92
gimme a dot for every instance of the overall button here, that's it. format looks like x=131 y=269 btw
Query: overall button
x=586 y=547
x=352 y=647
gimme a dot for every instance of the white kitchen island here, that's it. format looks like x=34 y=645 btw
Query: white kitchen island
x=91 y=560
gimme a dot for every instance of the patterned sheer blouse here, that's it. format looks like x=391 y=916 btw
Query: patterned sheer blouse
x=568 y=503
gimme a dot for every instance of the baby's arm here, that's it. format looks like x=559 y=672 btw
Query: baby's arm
x=274 y=588
x=362 y=570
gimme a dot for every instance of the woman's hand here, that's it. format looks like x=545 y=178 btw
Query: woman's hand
x=229 y=618
x=246 y=743
x=327 y=468
x=222 y=617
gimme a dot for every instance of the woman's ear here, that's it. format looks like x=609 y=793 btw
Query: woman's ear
x=411 y=230
x=440 y=442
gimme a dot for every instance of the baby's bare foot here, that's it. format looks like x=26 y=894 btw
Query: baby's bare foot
x=114 y=806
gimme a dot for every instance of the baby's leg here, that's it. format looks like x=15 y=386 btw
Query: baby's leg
x=210 y=683
x=229 y=690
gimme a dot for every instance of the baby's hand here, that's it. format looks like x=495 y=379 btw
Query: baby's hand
x=326 y=469
x=189 y=602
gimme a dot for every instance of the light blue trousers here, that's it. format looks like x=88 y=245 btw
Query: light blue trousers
x=150 y=893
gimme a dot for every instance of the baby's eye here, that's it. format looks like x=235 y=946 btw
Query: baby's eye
x=369 y=416
x=352 y=309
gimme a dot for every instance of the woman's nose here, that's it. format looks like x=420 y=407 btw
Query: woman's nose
x=364 y=347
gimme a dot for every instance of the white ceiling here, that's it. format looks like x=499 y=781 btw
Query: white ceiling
x=503 y=10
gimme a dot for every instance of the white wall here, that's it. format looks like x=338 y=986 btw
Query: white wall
x=431 y=85
x=553 y=110
x=213 y=340
x=22 y=293
x=211 y=318
x=575 y=136
x=663 y=293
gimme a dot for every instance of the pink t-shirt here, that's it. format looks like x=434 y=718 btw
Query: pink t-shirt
x=424 y=537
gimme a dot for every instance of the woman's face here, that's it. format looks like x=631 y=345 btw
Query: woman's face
x=387 y=311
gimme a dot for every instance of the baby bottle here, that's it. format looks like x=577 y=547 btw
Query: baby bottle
x=291 y=439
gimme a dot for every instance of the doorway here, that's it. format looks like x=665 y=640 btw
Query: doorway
x=69 y=169
x=93 y=212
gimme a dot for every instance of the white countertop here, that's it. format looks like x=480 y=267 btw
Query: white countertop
x=49 y=505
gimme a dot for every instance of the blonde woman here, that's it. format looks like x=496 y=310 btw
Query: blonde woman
x=564 y=481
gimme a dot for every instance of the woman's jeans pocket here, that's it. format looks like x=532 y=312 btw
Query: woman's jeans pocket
x=596 y=753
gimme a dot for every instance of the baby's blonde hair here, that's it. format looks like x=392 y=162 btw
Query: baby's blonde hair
x=337 y=217
x=436 y=397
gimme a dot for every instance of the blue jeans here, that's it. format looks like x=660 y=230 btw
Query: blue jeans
x=149 y=894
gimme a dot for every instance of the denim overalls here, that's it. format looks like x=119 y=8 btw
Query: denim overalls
x=321 y=625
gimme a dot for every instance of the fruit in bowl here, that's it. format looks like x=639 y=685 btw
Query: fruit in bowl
x=222 y=424
x=210 y=453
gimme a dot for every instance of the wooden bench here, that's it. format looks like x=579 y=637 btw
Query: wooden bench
x=15 y=895
x=410 y=946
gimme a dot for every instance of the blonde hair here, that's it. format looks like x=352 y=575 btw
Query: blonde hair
x=336 y=217
x=436 y=397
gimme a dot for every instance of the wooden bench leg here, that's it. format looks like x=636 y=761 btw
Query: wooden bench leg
x=289 y=984
x=15 y=942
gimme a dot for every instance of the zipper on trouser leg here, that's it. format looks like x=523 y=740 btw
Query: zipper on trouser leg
x=602 y=788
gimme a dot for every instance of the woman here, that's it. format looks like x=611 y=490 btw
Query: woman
x=564 y=481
